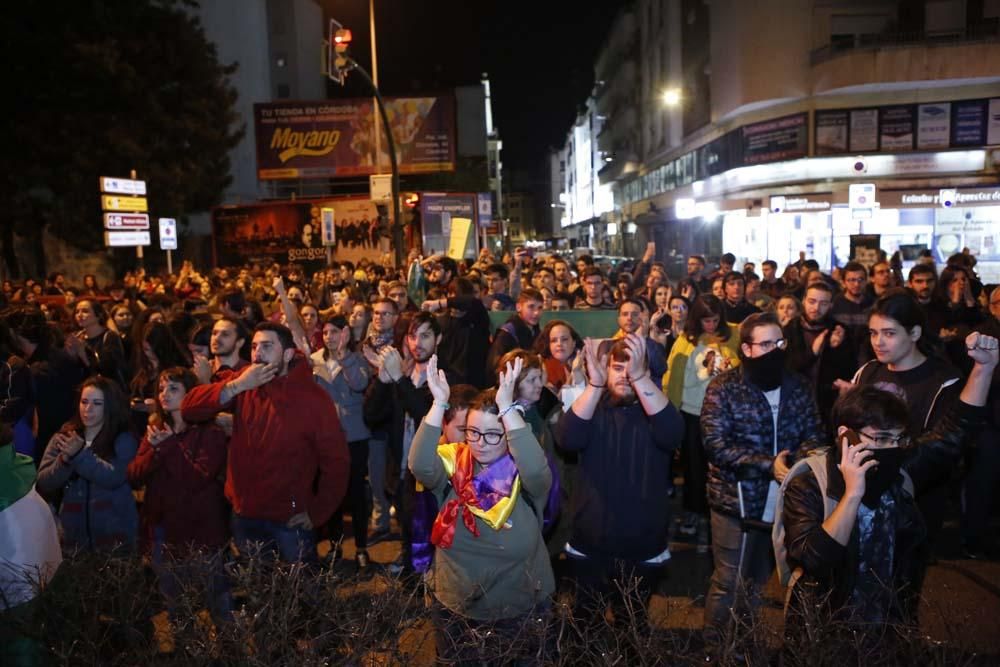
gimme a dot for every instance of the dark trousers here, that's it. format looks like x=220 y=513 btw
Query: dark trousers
x=356 y=499
x=695 y=466
x=522 y=640
x=979 y=487
x=173 y=575
x=603 y=580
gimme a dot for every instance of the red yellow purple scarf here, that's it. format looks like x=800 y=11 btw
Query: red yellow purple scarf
x=489 y=495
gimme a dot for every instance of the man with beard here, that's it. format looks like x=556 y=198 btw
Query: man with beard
x=632 y=313
x=625 y=432
x=520 y=331
x=226 y=345
x=818 y=348
x=288 y=459
x=922 y=281
x=850 y=308
x=396 y=402
x=755 y=420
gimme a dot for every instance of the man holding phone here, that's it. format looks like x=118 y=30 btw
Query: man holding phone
x=864 y=556
x=288 y=459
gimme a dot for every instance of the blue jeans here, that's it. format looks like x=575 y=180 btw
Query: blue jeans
x=292 y=545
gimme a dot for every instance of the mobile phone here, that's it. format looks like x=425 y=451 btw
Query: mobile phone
x=852 y=437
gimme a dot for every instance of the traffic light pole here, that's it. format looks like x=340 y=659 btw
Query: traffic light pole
x=397 y=222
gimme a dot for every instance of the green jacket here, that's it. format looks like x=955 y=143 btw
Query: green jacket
x=500 y=574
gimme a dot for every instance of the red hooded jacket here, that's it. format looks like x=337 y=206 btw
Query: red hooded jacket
x=287 y=454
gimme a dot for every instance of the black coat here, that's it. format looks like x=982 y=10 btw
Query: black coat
x=830 y=569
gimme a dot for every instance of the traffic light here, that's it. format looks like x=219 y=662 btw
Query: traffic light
x=339 y=62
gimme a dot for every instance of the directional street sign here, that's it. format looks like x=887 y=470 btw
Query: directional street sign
x=123 y=239
x=115 y=203
x=168 y=234
x=122 y=186
x=122 y=221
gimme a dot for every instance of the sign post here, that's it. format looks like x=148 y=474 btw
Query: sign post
x=126 y=222
x=328 y=232
x=168 y=240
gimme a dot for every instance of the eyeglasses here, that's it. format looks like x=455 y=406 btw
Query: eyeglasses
x=490 y=437
x=901 y=440
x=768 y=345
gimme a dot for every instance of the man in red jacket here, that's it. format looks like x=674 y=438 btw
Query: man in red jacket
x=288 y=460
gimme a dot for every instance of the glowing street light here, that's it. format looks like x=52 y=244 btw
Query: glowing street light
x=671 y=97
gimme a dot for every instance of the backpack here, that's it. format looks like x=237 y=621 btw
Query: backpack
x=817 y=464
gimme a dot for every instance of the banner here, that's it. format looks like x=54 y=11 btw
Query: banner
x=291 y=232
x=968 y=123
x=897 y=128
x=331 y=138
x=864 y=130
x=438 y=212
x=933 y=125
x=831 y=132
x=779 y=139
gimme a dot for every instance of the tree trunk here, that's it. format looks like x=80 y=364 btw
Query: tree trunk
x=7 y=249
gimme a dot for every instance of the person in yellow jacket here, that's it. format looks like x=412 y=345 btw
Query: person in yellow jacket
x=709 y=346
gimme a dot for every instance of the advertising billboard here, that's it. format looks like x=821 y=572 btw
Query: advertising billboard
x=333 y=138
x=292 y=231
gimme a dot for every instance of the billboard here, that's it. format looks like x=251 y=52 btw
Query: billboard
x=291 y=231
x=332 y=138
x=438 y=212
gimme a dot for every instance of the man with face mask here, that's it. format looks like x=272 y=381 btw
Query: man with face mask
x=863 y=556
x=625 y=432
x=818 y=347
x=755 y=419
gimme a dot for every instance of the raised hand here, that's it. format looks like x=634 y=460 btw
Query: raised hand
x=983 y=349
x=597 y=366
x=436 y=381
x=837 y=336
x=257 y=376
x=202 y=369
x=853 y=466
x=391 y=363
x=508 y=383
x=72 y=443
x=819 y=341
x=636 y=357
x=156 y=435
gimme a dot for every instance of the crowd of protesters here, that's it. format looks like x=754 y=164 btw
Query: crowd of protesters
x=826 y=423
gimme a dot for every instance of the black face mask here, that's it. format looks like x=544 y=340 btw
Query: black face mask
x=766 y=371
x=879 y=478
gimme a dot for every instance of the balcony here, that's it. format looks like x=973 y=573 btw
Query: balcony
x=873 y=60
x=986 y=32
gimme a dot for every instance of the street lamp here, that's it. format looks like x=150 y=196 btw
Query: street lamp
x=671 y=97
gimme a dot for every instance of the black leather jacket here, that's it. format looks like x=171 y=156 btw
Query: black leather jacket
x=830 y=569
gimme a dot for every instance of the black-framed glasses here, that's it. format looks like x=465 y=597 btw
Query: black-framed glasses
x=768 y=345
x=490 y=437
x=883 y=440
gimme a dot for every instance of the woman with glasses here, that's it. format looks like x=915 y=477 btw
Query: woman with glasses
x=852 y=531
x=708 y=347
x=491 y=569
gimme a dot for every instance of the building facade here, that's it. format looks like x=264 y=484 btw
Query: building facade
x=780 y=106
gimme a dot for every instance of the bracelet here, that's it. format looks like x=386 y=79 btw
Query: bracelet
x=512 y=406
x=643 y=376
x=596 y=386
x=442 y=404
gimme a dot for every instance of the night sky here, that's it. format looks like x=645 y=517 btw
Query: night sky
x=539 y=56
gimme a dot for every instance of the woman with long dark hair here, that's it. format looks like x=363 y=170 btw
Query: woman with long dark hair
x=708 y=347
x=184 y=508
x=155 y=350
x=558 y=345
x=102 y=351
x=343 y=373
x=88 y=460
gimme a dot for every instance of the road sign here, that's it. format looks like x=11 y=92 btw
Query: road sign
x=328 y=229
x=168 y=234
x=380 y=187
x=862 y=199
x=123 y=221
x=116 y=203
x=122 y=186
x=125 y=239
